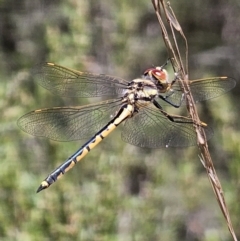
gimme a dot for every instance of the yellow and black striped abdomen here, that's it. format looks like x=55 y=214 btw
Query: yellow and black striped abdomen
x=123 y=113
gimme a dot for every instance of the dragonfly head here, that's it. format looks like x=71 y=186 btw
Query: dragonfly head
x=160 y=76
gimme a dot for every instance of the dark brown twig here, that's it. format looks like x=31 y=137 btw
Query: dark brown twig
x=182 y=72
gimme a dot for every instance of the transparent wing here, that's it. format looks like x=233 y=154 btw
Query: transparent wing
x=203 y=89
x=69 y=123
x=72 y=83
x=150 y=128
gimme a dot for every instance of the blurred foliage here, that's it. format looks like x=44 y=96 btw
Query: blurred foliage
x=118 y=192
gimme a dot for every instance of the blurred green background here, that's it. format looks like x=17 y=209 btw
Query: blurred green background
x=118 y=192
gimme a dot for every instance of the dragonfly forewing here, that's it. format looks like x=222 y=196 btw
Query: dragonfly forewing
x=202 y=89
x=205 y=89
x=72 y=83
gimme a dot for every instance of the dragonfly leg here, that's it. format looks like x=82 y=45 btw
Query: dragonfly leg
x=176 y=118
x=165 y=98
x=162 y=111
x=171 y=92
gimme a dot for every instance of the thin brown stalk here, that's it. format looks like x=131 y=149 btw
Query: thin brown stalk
x=173 y=26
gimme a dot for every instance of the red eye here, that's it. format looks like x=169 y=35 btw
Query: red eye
x=159 y=74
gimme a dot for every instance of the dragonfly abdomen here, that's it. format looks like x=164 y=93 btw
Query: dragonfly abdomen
x=124 y=113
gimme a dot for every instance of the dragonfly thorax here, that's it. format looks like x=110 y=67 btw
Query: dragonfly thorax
x=140 y=92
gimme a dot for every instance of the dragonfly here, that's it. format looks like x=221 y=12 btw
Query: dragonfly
x=135 y=103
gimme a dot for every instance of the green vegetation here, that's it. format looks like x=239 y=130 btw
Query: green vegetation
x=118 y=192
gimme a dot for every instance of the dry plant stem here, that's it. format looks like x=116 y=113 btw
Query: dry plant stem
x=177 y=63
x=171 y=52
x=174 y=23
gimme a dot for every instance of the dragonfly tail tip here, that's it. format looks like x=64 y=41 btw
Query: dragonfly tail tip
x=43 y=186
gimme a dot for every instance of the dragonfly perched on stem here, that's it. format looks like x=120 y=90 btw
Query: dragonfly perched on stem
x=137 y=102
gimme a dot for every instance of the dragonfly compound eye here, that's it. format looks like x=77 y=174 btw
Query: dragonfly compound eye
x=160 y=74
